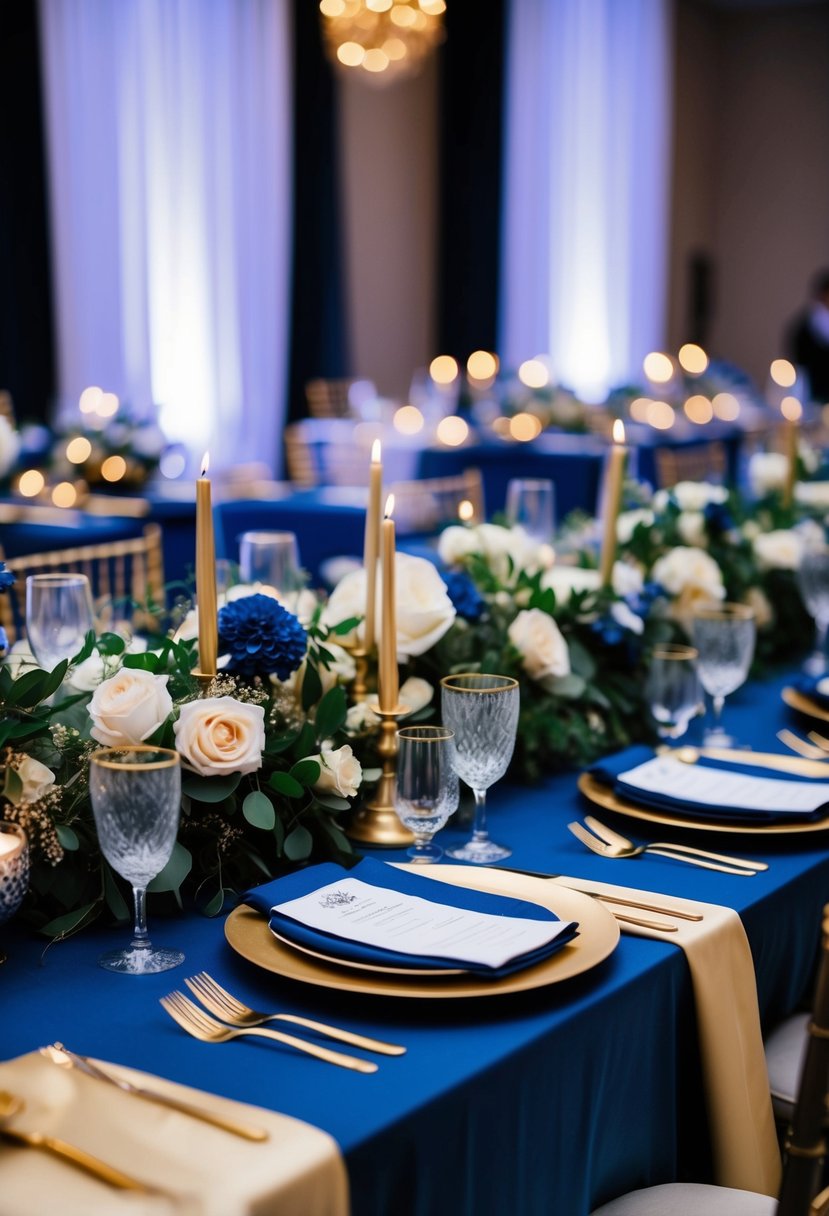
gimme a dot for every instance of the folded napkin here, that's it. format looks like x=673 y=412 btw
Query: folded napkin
x=618 y=771
x=204 y=1170
x=270 y=899
x=816 y=688
x=744 y=1140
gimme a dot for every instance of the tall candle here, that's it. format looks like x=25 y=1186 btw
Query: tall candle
x=791 y=410
x=206 y=575
x=614 y=481
x=388 y=684
x=371 y=548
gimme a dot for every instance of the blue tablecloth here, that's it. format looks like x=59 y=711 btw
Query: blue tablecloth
x=550 y=1102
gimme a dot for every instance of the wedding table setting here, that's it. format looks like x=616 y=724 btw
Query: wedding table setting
x=451 y=1010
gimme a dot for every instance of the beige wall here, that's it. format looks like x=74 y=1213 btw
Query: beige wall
x=389 y=163
x=751 y=172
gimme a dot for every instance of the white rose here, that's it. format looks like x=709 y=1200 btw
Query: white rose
x=628 y=521
x=20 y=658
x=691 y=526
x=813 y=494
x=424 y=610
x=360 y=718
x=565 y=580
x=129 y=706
x=778 y=550
x=347 y=600
x=9 y=445
x=37 y=780
x=767 y=471
x=751 y=529
x=456 y=543
x=340 y=772
x=88 y=675
x=221 y=735
x=416 y=693
x=690 y=576
x=627 y=578
x=690 y=495
x=759 y=603
x=626 y=617
x=543 y=650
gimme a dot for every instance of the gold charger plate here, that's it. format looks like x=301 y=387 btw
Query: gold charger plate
x=352 y=965
x=247 y=933
x=804 y=705
x=605 y=797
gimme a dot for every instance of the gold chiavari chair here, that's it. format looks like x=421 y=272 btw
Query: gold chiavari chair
x=697 y=462
x=330 y=398
x=434 y=502
x=124 y=576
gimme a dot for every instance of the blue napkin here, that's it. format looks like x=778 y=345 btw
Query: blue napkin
x=379 y=874
x=807 y=686
x=609 y=770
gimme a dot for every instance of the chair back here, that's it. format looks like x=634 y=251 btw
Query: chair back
x=691 y=462
x=434 y=502
x=123 y=576
x=332 y=398
x=805 y=1144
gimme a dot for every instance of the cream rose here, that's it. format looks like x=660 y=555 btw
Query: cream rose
x=543 y=650
x=767 y=471
x=690 y=495
x=691 y=527
x=456 y=543
x=93 y=671
x=340 y=772
x=416 y=693
x=424 y=610
x=628 y=521
x=360 y=719
x=36 y=779
x=758 y=602
x=565 y=580
x=9 y=445
x=812 y=494
x=691 y=577
x=129 y=706
x=781 y=549
x=347 y=600
x=221 y=735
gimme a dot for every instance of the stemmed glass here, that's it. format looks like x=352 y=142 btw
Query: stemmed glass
x=426 y=791
x=724 y=636
x=136 y=795
x=672 y=688
x=482 y=710
x=58 y=616
x=14 y=870
x=271 y=558
x=813 y=581
x=531 y=504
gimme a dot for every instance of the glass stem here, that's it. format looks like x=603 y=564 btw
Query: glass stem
x=821 y=628
x=479 y=831
x=717 y=703
x=140 y=937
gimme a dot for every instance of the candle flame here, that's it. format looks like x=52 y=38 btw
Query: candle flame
x=465 y=510
x=618 y=431
x=389 y=507
x=205 y=464
x=375 y=452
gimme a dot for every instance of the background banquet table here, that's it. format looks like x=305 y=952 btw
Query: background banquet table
x=550 y=1101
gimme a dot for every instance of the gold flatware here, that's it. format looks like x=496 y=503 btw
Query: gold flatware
x=661 y=926
x=202 y=1026
x=607 y=899
x=809 y=751
x=797 y=765
x=11 y=1104
x=65 y=1058
x=217 y=1000
x=617 y=853
x=616 y=838
x=820 y=740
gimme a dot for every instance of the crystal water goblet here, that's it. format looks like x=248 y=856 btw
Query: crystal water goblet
x=531 y=505
x=672 y=688
x=426 y=786
x=724 y=636
x=813 y=581
x=271 y=558
x=58 y=616
x=136 y=796
x=482 y=710
x=14 y=870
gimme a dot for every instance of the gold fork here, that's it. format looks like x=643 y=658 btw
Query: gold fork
x=616 y=838
x=230 y=1009
x=202 y=1026
x=617 y=852
x=809 y=751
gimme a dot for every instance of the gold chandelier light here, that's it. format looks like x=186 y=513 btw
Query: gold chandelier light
x=381 y=40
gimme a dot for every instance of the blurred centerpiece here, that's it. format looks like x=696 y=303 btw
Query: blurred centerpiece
x=382 y=39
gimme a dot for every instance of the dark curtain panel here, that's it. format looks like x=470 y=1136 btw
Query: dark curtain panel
x=318 y=344
x=471 y=86
x=27 y=359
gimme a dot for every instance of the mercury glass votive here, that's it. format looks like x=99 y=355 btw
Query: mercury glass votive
x=14 y=869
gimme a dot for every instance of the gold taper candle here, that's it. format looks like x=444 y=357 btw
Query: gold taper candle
x=206 y=575
x=388 y=682
x=612 y=500
x=371 y=548
x=792 y=410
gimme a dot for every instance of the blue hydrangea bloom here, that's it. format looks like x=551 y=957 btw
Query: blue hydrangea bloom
x=608 y=629
x=6 y=577
x=261 y=637
x=465 y=596
x=641 y=601
x=4 y=641
x=718 y=517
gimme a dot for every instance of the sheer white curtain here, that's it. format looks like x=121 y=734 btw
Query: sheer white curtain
x=169 y=141
x=587 y=161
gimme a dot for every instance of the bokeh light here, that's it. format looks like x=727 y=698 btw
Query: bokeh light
x=661 y=415
x=783 y=373
x=482 y=365
x=534 y=373
x=699 y=409
x=524 y=427
x=443 y=369
x=452 y=431
x=64 y=494
x=658 y=367
x=408 y=420
x=90 y=400
x=113 y=468
x=791 y=409
x=692 y=359
x=638 y=409
x=78 y=450
x=31 y=483
x=466 y=511
x=726 y=406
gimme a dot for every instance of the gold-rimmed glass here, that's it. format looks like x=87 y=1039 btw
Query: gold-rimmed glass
x=482 y=710
x=672 y=688
x=724 y=635
x=136 y=797
x=426 y=786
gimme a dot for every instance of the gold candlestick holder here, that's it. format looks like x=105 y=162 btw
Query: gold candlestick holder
x=376 y=821
x=204 y=680
x=359 y=685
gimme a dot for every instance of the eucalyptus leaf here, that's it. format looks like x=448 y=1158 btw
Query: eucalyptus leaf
x=215 y=904
x=68 y=837
x=175 y=871
x=114 y=899
x=311 y=686
x=306 y=772
x=285 y=784
x=331 y=713
x=70 y=922
x=298 y=843
x=111 y=644
x=570 y=687
x=258 y=810
x=210 y=789
x=332 y=803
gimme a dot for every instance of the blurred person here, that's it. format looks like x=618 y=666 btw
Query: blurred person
x=808 y=338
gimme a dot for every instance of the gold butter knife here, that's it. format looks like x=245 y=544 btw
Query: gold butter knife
x=62 y=1056
x=607 y=899
x=797 y=765
x=70 y=1152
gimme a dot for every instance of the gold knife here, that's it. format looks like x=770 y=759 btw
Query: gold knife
x=608 y=899
x=797 y=765
x=77 y=1156
x=65 y=1058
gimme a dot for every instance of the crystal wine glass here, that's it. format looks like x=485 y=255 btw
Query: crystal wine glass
x=14 y=870
x=271 y=558
x=813 y=580
x=482 y=710
x=58 y=616
x=672 y=688
x=136 y=795
x=531 y=504
x=426 y=790
x=724 y=635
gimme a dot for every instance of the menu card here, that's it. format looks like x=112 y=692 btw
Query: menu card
x=716 y=787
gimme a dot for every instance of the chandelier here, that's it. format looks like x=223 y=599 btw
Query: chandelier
x=382 y=39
